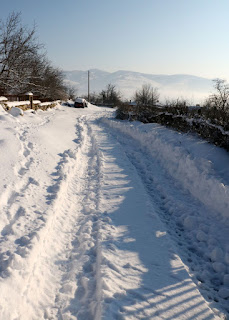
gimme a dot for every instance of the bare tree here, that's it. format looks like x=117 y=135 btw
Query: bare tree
x=147 y=95
x=220 y=99
x=95 y=98
x=110 y=95
x=71 y=92
x=24 y=66
x=53 y=83
x=18 y=47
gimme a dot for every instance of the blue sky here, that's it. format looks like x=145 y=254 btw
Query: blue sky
x=150 y=36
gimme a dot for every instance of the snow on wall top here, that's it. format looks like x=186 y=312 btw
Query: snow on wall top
x=21 y=103
x=3 y=99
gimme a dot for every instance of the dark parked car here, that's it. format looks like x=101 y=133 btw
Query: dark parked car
x=80 y=103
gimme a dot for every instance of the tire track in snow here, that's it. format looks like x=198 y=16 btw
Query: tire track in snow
x=171 y=201
x=11 y=192
x=137 y=280
x=75 y=268
x=16 y=215
x=61 y=272
x=82 y=266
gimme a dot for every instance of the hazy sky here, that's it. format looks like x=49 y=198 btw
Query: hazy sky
x=150 y=36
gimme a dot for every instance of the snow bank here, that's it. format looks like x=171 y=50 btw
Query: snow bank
x=4 y=115
x=2 y=110
x=194 y=174
x=188 y=180
x=3 y=99
x=14 y=111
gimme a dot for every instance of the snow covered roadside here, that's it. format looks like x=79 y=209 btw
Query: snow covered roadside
x=192 y=181
x=194 y=173
x=142 y=275
x=80 y=233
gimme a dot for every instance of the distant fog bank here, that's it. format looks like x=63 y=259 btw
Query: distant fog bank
x=194 y=89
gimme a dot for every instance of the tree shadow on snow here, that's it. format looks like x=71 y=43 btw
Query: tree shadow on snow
x=132 y=271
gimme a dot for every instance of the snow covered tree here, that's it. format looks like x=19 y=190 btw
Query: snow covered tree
x=18 y=48
x=23 y=64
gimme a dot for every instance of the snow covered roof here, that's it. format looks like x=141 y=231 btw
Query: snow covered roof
x=132 y=103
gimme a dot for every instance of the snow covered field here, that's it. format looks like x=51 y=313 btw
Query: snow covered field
x=103 y=219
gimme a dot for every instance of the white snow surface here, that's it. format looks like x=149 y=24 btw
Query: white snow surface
x=107 y=219
x=3 y=99
x=11 y=104
x=15 y=111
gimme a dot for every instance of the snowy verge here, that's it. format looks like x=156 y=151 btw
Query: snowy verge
x=142 y=277
x=179 y=172
x=194 y=174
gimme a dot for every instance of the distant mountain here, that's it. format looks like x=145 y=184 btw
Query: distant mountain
x=189 y=87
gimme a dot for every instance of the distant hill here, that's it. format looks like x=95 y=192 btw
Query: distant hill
x=190 y=87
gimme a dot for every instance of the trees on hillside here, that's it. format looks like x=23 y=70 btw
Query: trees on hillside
x=147 y=95
x=23 y=64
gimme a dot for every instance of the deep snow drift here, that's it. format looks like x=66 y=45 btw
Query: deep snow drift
x=103 y=219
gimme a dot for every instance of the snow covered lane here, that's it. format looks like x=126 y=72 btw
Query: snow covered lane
x=46 y=240
x=80 y=236
x=200 y=233
x=142 y=276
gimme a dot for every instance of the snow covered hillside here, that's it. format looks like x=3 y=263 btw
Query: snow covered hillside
x=170 y=86
x=107 y=219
